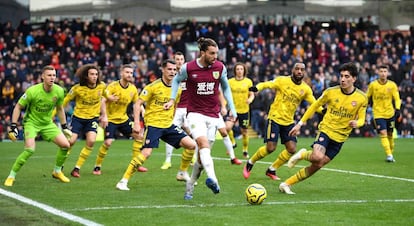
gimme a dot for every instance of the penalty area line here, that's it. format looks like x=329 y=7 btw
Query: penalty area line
x=48 y=209
x=342 y=171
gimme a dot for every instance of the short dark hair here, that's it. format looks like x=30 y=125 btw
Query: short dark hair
x=383 y=67
x=351 y=67
x=167 y=61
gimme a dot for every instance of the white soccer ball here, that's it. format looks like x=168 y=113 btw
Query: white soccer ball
x=255 y=194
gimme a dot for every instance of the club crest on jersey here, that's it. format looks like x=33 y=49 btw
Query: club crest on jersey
x=216 y=74
x=353 y=103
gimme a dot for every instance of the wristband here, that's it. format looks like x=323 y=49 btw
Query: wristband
x=64 y=126
x=300 y=123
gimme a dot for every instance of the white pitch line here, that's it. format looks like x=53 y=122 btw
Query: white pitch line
x=244 y=204
x=343 y=171
x=369 y=174
x=49 y=209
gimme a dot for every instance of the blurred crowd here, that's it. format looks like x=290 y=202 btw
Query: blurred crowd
x=268 y=47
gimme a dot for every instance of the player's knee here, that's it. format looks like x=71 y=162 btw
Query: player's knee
x=318 y=158
x=90 y=143
x=270 y=147
x=223 y=132
x=291 y=150
x=146 y=152
x=108 y=143
x=65 y=144
x=188 y=143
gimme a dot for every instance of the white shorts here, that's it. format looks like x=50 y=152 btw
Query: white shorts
x=180 y=117
x=201 y=125
x=221 y=123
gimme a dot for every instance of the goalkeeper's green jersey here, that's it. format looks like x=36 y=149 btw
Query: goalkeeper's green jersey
x=39 y=104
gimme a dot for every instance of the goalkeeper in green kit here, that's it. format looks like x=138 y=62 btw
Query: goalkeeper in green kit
x=38 y=102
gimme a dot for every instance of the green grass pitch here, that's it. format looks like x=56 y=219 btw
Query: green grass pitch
x=356 y=188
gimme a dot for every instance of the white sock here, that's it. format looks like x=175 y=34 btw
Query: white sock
x=123 y=180
x=197 y=168
x=168 y=152
x=229 y=146
x=207 y=163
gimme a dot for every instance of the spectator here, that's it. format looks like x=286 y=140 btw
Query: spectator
x=268 y=47
x=406 y=129
x=7 y=93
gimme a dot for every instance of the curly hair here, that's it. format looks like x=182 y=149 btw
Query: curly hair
x=82 y=73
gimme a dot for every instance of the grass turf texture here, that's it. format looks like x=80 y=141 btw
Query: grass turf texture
x=357 y=188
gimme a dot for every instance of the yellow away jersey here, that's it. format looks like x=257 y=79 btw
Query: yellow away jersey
x=155 y=96
x=117 y=110
x=383 y=96
x=288 y=97
x=240 y=92
x=341 y=109
x=87 y=100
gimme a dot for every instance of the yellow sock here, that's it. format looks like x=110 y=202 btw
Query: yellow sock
x=231 y=136
x=385 y=144
x=103 y=150
x=306 y=155
x=282 y=158
x=391 y=141
x=133 y=165
x=136 y=147
x=260 y=153
x=186 y=158
x=84 y=154
x=245 y=142
x=301 y=175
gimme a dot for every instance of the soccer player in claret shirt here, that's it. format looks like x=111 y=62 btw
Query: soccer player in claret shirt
x=346 y=108
x=87 y=94
x=290 y=92
x=39 y=102
x=119 y=94
x=159 y=124
x=386 y=105
x=204 y=75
